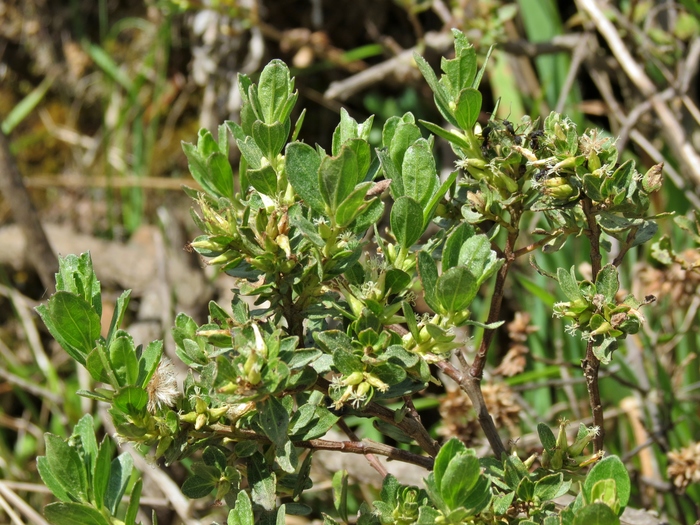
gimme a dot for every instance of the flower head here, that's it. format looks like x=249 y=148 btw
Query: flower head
x=162 y=388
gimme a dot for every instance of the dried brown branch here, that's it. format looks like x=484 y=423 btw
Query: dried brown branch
x=38 y=247
x=472 y=387
x=673 y=131
x=591 y=364
x=408 y=424
x=364 y=447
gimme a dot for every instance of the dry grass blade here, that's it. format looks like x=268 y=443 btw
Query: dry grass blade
x=23 y=507
x=675 y=135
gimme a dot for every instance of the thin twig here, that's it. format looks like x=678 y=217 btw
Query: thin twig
x=675 y=177
x=477 y=368
x=371 y=458
x=12 y=187
x=171 y=490
x=471 y=386
x=591 y=364
x=16 y=520
x=364 y=447
x=408 y=425
x=21 y=505
x=78 y=181
x=675 y=136
x=577 y=58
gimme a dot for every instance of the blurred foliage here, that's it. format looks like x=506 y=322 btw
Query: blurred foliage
x=122 y=95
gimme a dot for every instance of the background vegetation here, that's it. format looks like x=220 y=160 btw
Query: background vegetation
x=96 y=96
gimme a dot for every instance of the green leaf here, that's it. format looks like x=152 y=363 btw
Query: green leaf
x=418 y=173
x=456 y=289
x=549 y=442
x=453 y=245
x=550 y=487
x=405 y=134
x=449 y=450
x=73 y=322
x=442 y=100
x=568 y=284
x=131 y=400
x=610 y=468
x=53 y=484
x=370 y=216
x=148 y=362
x=72 y=514
x=340 y=493
x=332 y=340
x=644 y=233
x=427 y=269
x=363 y=154
x=274 y=420
x=221 y=174
x=263 y=481
x=119 y=475
x=607 y=282
x=353 y=205
x=122 y=357
x=302 y=163
x=198 y=487
x=274 y=88
x=501 y=503
x=133 y=508
x=338 y=176
x=476 y=254
x=596 y=514
x=450 y=136
x=270 y=138
x=67 y=467
x=347 y=363
x=396 y=281
x=24 y=107
x=406 y=221
x=287 y=457
x=118 y=315
x=429 y=210
x=198 y=168
x=468 y=108
x=461 y=475
x=264 y=180
x=459 y=73
x=75 y=275
x=251 y=152
x=97 y=363
x=101 y=473
x=85 y=429
x=348 y=129
x=242 y=513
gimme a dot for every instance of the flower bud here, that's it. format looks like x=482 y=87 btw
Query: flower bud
x=353 y=379
x=376 y=382
x=654 y=178
x=200 y=421
x=283 y=242
x=363 y=389
x=593 y=161
x=583 y=439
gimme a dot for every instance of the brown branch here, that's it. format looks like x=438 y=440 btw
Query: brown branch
x=371 y=458
x=477 y=368
x=38 y=247
x=472 y=387
x=365 y=447
x=414 y=429
x=675 y=135
x=591 y=364
x=532 y=247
